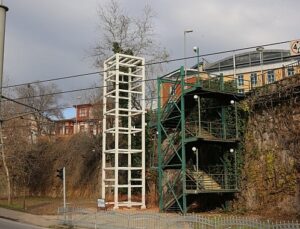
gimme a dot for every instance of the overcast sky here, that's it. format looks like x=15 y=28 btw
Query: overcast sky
x=53 y=38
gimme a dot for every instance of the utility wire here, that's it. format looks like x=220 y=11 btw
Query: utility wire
x=262 y=102
x=147 y=64
x=150 y=98
x=23 y=104
x=139 y=81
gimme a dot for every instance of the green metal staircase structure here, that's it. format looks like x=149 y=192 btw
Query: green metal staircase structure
x=178 y=133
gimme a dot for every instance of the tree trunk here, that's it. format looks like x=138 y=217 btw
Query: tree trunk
x=5 y=166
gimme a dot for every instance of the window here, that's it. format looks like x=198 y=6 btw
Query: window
x=253 y=79
x=69 y=130
x=271 y=76
x=83 y=112
x=81 y=129
x=240 y=80
x=291 y=71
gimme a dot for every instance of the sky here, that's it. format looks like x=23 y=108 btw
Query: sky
x=54 y=38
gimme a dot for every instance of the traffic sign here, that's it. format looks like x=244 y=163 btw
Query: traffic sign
x=295 y=47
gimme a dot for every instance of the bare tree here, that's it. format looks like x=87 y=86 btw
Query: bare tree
x=18 y=123
x=44 y=98
x=11 y=136
x=127 y=34
x=123 y=33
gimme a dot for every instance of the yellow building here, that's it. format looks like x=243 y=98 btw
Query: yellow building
x=255 y=68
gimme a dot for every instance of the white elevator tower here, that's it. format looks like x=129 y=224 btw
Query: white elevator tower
x=123 y=146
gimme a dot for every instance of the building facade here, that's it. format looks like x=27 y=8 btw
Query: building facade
x=84 y=121
x=256 y=68
x=245 y=71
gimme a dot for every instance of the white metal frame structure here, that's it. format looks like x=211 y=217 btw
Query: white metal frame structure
x=123 y=143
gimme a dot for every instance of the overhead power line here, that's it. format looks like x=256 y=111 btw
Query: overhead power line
x=147 y=64
x=146 y=80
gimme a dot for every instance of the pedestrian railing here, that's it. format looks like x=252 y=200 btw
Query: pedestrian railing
x=86 y=218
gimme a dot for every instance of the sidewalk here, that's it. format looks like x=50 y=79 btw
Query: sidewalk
x=38 y=220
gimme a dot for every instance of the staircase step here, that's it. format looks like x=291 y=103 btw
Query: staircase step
x=205 y=181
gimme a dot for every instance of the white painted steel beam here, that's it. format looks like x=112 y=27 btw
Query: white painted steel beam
x=124 y=70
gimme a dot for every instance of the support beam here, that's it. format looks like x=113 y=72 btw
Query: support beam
x=123 y=87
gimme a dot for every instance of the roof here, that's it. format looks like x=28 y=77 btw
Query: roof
x=83 y=105
x=66 y=120
x=248 y=59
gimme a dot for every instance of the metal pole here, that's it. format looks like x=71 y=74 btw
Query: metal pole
x=129 y=139
x=117 y=118
x=184 y=48
x=159 y=145
x=199 y=115
x=234 y=66
x=182 y=120
x=223 y=119
x=64 y=190
x=234 y=70
x=76 y=121
x=197 y=160
x=143 y=141
x=3 y=10
x=261 y=69
x=197 y=168
x=260 y=50
x=235 y=169
x=196 y=49
x=236 y=121
x=198 y=62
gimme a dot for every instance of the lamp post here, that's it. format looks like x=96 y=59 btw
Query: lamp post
x=232 y=102
x=195 y=150
x=260 y=49
x=196 y=97
x=196 y=50
x=235 y=167
x=234 y=69
x=184 y=41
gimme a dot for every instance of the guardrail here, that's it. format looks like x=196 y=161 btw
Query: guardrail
x=211 y=130
x=116 y=220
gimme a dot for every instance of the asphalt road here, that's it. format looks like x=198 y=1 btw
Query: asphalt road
x=9 y=224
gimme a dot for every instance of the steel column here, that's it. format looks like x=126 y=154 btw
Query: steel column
x=183 y=156
x=159 y=148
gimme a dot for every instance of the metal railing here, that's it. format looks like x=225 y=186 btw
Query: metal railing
x=211 y=130
x=204 y=182
x=151 y=220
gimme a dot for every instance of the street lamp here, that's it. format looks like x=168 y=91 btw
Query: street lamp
x=235 y=166
x=260 y=49
x=196 y=50
x=232 y=102
x=195 y=150
x=184 y=41
x=197 y=98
